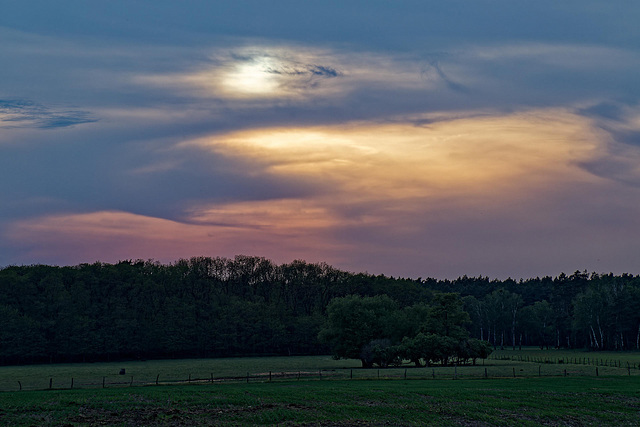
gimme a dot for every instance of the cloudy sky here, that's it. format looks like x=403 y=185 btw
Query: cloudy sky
x=410 y=138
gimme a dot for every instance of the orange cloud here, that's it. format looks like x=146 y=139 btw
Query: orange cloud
x=399 y=161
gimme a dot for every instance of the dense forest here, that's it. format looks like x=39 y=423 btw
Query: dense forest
x=210 y=307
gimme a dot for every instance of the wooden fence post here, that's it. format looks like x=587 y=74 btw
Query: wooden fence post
x=20 y=384
x=485 y=373
x=514 y=372
x=212 y=378
x=596 y=371
x=71 y=383
x=269 y=376
x=50 y=383
x=157 y=378
x=131 y=383
x=103 y=381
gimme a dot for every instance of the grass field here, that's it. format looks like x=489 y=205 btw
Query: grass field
x=503 y=363
x=344 y=394
x=532 y=401
x=90 y=375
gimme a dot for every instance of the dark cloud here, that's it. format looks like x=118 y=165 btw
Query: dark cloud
x=304 y=70
x=28 y=114
x=631 y=137
x=603 y=110
x=321 y=70
x=615 y=169
x=431 y=69
x=612 y=117
x=159 y=182
x=622 y=152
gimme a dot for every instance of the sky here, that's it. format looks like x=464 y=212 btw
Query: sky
x=493 y=138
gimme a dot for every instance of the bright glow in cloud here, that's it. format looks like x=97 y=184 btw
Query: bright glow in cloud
x=295 y=72
x=252 y=78
x=461 y=158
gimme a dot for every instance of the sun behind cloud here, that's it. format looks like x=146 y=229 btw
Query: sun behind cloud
x=258 y=72
x=252 y=77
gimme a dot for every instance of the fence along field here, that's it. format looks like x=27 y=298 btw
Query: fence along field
x=501 y=364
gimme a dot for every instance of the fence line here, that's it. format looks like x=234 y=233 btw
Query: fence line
x=586 y=361
x=453 y=372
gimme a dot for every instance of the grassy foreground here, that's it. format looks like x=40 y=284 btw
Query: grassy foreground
x=533 y=401
x=527 y=387
x=503 y=363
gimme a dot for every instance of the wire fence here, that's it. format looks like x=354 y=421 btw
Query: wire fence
x=500 y=367
x=568 y=360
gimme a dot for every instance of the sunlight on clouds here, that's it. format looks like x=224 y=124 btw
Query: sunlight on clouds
x=257 y=72
x=276 y=215
x=252 y=78
x=291 y=72
x=393 y=161
x=384 y=187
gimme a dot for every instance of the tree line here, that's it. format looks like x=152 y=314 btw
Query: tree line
x=214 y=307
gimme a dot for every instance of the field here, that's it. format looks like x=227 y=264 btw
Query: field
x=322 y=391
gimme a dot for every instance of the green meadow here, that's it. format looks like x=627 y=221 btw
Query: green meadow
x=318 y=390
x=501 y=364
x=532 y=401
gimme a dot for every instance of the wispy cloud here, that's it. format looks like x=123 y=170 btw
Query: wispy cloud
x=431 y=69
x=619 y=126
x=28 y=114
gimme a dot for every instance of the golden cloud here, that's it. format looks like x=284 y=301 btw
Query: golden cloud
x=457 y=158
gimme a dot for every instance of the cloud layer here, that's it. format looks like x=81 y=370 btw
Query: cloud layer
x=412 y=139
